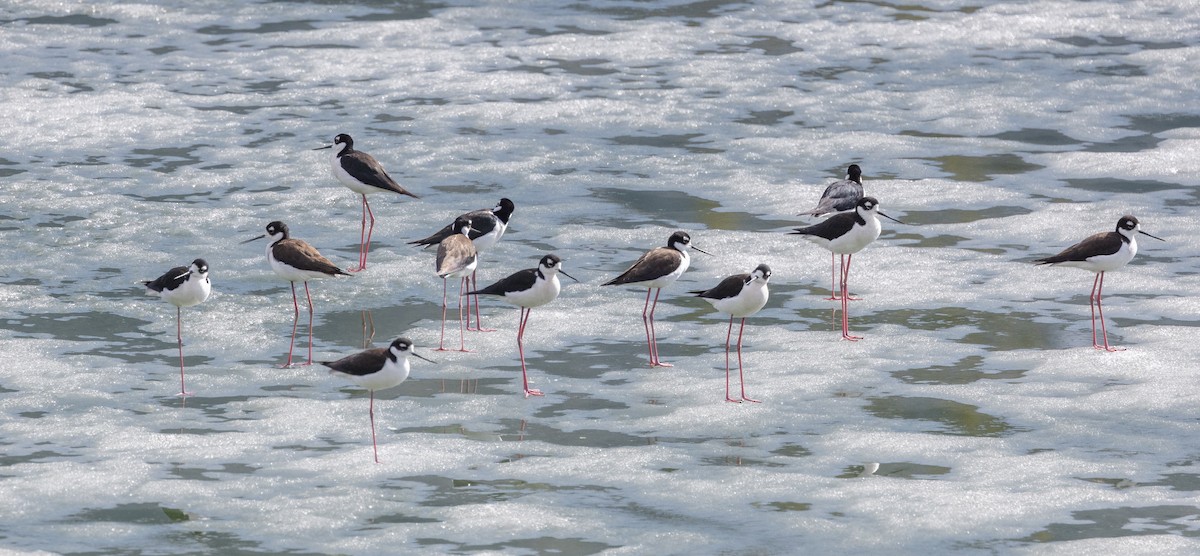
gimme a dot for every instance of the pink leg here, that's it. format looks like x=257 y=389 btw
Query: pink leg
x=1103 y=329
x=310 y=322
x=179 y=335
x=442 y=342
x=654 y=335
x=741 y=374
x=652 y=338
x=371 y=411
x=364 y=236
x=833 y=291
x=846 y=292
x=366 y=247
x=295 y=321
x=478 y=321
x=367 y=338
x=469 y=287
x=462 y=335
x=728 y=335
x=646 y=325
x=834 y=294
x=845 y=298
x=1092 y=307
x=524 y=319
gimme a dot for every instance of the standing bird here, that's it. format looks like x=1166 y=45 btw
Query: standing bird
x=529 y=288
x=362 y=174
x=296 y=261
x=1100 y=253
x=846 y=233
x=739 y=296
x=488 y=226
x=840 y=196
x=182 y=286
x=456 y=257
x=376 y=369
x=656 y=269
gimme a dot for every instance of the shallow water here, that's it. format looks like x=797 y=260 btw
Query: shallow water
x=146 y=135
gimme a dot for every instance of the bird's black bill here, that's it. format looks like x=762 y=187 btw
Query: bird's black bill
x=560 y=271
x=1151 y=235
x=889 y=218
x=415 y=354
x=325 y=147
x=254 y=239
x=701 y=250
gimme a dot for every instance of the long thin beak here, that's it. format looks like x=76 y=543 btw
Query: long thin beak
x=702 y=251
x=189 y=272
x=253 y=239
x=325 y=147
x=1151 y=235
x=415 y=354
x=561 y=271
x=888 y=217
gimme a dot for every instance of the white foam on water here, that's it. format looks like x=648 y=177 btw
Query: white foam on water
x=973 y=418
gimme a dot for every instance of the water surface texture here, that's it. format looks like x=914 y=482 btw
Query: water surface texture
x=974 y=418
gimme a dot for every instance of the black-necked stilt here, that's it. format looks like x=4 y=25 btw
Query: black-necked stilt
x=1101 y=253
x=456 y=257
x=488 y=226
x=841 y=195
x=376 y=369
x=296 y=261
x=655 y=270
x=845 y=234
x=182 y=286
x=529 y=288
x=739 y=296
x=363 y=175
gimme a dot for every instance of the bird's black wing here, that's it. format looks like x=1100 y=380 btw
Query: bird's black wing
x=482 y=222
x=1103 y=243
x=436 y=238
x=839 y=196
x=361 y=363
x=367 y=170
x=652 y=265
x=169 y=281
x=302 y=256
x=520 y=280
x=729 y=287
x=831 y=228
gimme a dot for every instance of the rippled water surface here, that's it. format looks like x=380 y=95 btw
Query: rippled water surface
x=973 y=419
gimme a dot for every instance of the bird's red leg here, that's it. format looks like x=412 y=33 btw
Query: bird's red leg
x=845 y=307
x=295 y=322
x=442 y=341
x=741 y=374
x=656 y=362
x=179 y=335
x=728 y=335
x=310 y=322
x=524 y=318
